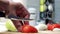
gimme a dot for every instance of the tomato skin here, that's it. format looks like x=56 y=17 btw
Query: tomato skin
x=29 y=29
x=49 y=27
x=52 y=26
x=56 y=26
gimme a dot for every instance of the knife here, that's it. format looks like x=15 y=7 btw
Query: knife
x=20 y=19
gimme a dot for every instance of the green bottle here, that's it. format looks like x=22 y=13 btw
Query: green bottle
x=43 y=8
x=42 y=2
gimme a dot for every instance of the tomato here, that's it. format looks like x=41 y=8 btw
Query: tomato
x=56 y=26
x=28 y=29
x=52 y=26
x=49 y=27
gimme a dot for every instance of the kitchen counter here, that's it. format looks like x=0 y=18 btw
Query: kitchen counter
x=40 y=32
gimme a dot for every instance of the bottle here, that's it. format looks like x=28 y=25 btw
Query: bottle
x=43 y=8
x=50 y=14
x=51 y=1
x=42 y=2
x=50 y=7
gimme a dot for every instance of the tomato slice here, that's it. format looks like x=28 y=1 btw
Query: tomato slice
x=29 y=29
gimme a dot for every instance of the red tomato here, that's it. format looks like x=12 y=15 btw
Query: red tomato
x=29 y=29
x=52 y=26
x=56 y=26
x=49 y=27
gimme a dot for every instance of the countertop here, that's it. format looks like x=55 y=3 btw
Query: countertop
x=40 y=32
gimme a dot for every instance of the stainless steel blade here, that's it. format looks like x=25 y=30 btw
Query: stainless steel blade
x=20 y=19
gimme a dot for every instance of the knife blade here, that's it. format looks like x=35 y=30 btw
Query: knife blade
x=20 y=19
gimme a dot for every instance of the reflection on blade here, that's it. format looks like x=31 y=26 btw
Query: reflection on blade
x=20 y=19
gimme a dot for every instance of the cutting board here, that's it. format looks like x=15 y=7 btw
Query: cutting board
x=40 y=32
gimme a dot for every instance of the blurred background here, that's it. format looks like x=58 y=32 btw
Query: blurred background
x=33 y=8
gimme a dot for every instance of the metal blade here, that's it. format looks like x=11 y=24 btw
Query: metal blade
x=20 y=19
